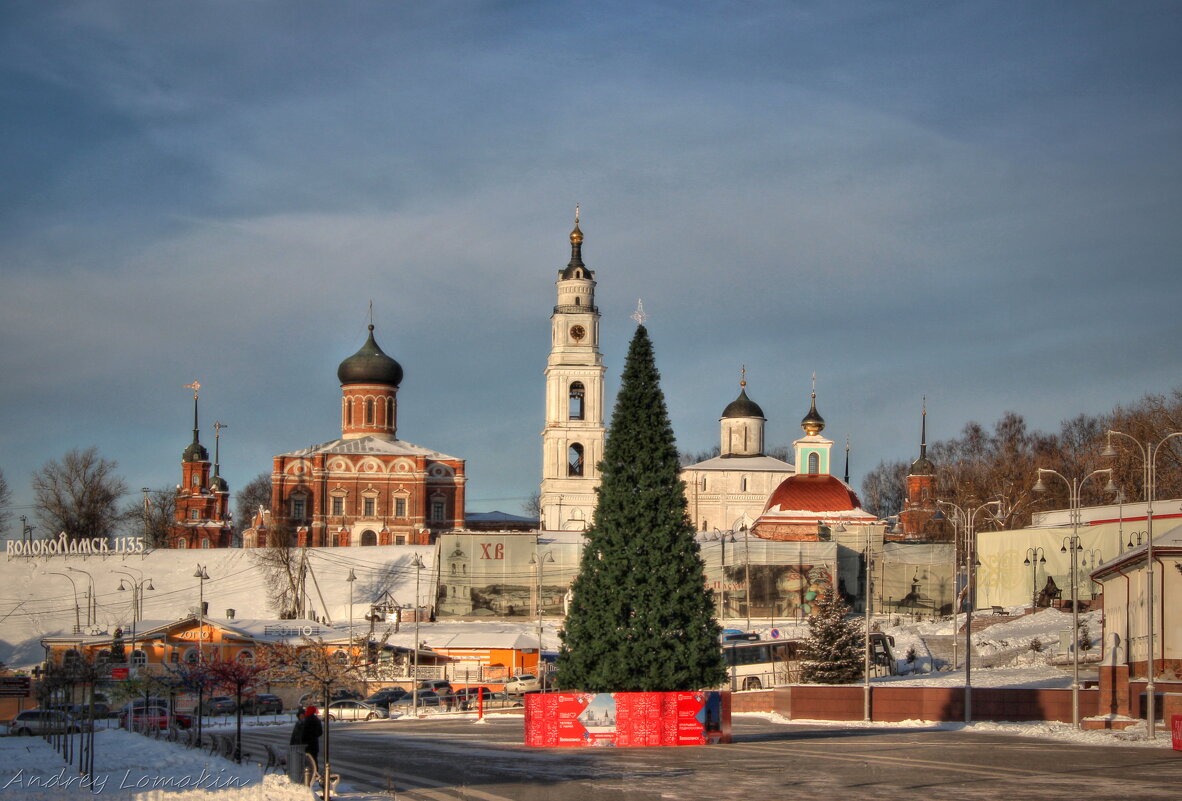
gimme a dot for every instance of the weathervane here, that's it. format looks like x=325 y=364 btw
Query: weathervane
x=196 y=385
x=576 y=214
x=639 y=316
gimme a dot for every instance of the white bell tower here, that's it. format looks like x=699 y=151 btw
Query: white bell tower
x=572 y=442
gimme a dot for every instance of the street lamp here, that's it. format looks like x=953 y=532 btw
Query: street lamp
x=73 y=586
x=1149 y=452
x=417 y=564
x=1074 y=485
x=1034 y=558
x=539 y=562
x=352 y=577
x=137 y=601
x=202 y=576
x=1090 y=558
x=91 y=598
x=969 y=519
x=866 y=643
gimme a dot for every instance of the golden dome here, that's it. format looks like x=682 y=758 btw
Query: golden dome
x=576 y=236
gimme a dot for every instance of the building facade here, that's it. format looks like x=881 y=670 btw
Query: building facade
x=573 y=439
x=368 y=487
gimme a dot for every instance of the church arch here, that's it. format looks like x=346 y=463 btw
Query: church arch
x=814 y=463
x=577 y=398
x=369 y=537
x=574 y=459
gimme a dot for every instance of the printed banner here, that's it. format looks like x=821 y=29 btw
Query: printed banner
x=570 y=720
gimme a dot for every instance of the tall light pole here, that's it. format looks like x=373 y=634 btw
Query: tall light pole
x=1074 y=486
x=202 y=576
x=137 y=587
x=417 y=564
x=970 y=518
x=352 y=577
x=866 y=644
x=77 y=613
x=1034 y=558
x=539 y=562
x=1149 y=452
x=91 y=598
x=747 y=570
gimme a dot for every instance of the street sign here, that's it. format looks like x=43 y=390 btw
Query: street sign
x=775 y=634
x=14 y=686
x=119 y=673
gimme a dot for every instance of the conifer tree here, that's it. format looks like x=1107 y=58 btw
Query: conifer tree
x=641 y=616
x=833 y=652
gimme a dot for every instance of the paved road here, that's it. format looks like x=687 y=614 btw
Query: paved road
x=441 y=758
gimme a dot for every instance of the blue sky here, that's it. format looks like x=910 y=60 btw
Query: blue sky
x=974 y=201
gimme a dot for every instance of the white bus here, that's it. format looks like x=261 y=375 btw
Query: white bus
x=755 y=664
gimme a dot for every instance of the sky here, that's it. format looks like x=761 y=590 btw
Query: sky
x=975 y=202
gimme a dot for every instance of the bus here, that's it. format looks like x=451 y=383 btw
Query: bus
x=755 y=664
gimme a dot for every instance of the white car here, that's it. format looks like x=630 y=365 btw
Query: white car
x=354 y=710
x=524 y=683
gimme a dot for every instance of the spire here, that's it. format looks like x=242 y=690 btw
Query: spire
x=195 y=452
x=576 y=243
x=847 y=460
x=922 y=466
x=218 y=482
x=813 y=423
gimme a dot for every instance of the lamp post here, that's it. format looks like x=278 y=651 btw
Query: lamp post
x=352 y=577
x=417 y=564
x=969 y=518
x=866 y=643
x=77 y=613
x=91 y=598
x=747 y=570
x=1074 y=485
x=137 y=587
x=1149 y=452
x=202 y=576
x=539 y=562
x=1034 y=558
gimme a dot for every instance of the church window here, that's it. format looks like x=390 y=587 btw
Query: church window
x=577 y=394
x=400 y=507
x=193 y=514
x=297 y=508
x=368 y=504
x=205 y=542
x=369 y=411
x=437 y=511
x=703 y=482
x=574 y=458
x=182 y=543
x=348 y=412
x=389 y=412
x=743 y=484
x=400 y=540
x=578 y=301
x=196 y=480
x=338 y=505
x=814 y=464
x=369 y=538
x=336 y=540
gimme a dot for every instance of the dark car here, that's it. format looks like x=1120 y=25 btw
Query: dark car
x=386 y=697
x=154 y=717
x=219 y=705
x=426 y=698
x=262 y=704
x=84 y=711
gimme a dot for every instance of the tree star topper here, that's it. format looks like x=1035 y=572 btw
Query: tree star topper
x=640 y=317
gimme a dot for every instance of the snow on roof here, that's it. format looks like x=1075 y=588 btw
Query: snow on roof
x=369 y=445
x=752 y=464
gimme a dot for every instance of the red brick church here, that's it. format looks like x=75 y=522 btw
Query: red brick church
x=368 y=487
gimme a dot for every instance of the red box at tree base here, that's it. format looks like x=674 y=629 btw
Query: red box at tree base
x=575 y=720
x=1176 y=729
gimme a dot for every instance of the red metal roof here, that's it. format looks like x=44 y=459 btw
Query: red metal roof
x=812 y=493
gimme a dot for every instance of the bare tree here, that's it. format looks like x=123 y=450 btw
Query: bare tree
x=79 y=495
x=884 y=489
x=5 y=500
x=155 y=517
x=1150 y=419
x=282 y=565
x=256 y=493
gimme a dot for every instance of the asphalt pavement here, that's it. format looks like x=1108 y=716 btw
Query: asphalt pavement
x=444 y=757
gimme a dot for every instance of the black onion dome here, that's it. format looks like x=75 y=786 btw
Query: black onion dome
x=743 y=406
x=218 y=484
x=370 y=365
x=923 y=467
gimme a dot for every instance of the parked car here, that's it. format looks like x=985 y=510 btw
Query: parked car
x=83 y=711
x=426 y=698
x=522 y=684
x=354 y=710
x=384 y=698
x=143 y=703
x=469 y=697
x=441 y=686
x=42 y=721
x=262 y=704
x=153 y=717
x=316 y=699
x=219 y=705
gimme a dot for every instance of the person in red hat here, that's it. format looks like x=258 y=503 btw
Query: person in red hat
x=311 y=733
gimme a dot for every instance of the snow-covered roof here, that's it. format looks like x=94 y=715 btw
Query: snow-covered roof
x=376 y=446
x=746 y=464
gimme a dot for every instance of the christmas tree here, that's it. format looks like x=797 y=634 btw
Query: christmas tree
x=833 y=653
x=641 y=616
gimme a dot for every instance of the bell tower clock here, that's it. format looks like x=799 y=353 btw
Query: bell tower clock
x=572 y=442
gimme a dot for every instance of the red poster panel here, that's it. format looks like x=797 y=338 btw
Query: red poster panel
x=566 y=720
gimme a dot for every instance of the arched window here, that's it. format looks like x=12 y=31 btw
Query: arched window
x=368 y=537
x=193 y=514
x=743 y=484
x=139 y=657
x=574 y=457
x=72 y=659
x=814 y=464
x=703 y=483
x=389 y=412
x=348 y=412
x=205 y=542
x=341 y=658
x=577 y=394
x=245 y=656
x=192 y=656
x=369 y=411
x=579 y=301
x=182 y=543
